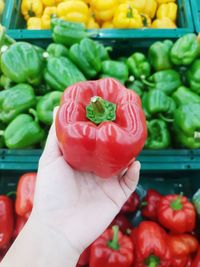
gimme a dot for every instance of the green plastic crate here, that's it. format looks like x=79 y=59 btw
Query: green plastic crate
x=185 y=24
x=5 y=17
x=195 y=6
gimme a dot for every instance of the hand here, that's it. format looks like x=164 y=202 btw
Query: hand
x=78 y=205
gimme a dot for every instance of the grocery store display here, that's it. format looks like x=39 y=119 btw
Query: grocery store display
x=165 y=77
x=95 y=14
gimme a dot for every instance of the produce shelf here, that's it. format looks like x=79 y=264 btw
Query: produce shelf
x=195 y=6
x=185 y=25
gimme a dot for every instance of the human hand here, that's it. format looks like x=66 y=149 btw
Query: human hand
x=79 y=206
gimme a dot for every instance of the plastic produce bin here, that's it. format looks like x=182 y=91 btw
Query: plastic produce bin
x=185 y=25
x=5 y=17
x=195 y=6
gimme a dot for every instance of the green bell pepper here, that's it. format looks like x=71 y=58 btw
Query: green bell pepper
x=46 y=105
x=16 y=100
x=144 y=106
x=67 y=33
x=136 y=86
x=61 y=73
x=158 y=135
x=103 y=51
x=193 y=76
x=186 y=123
x=185 y=50
x=86 y=57
x=2 y=142
x=165 y=80
x=24 y=131
x=21 y=63
x=196 y=201
x=159 y=55
x=57 y=50
x=183 y=96
x=5 y=82
x=138 y=65
x=157 y=103
x=42 y=90
x=5 y=40
x=115 y=69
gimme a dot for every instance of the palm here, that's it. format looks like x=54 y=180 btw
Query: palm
x=78 y=202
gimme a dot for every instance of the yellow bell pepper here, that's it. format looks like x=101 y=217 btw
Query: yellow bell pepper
x=104 y=10
x=147 y=7
x=146 y=20
x=49 y=12
x=51 y=2
x=126 y=16
x=165 y=1
x=32 y=8
x=164 y=23
x=92 y=24
x=107 y=25
x=34 y=23
x=74 y=11
x=2 y=5
x=167 y=11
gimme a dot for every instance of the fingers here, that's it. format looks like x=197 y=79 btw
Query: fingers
x=130 y=180
x=51 y=150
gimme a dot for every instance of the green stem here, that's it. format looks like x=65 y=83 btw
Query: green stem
x=152 y=261
x=143 y=204
x=12 y=193
x=114 y=243
x=34 y=113
x=130 y=13
x=149 y=84
x=161 y=116
x=177 y=204
x=197 y=135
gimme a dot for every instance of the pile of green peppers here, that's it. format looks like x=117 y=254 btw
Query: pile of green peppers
x=32 y=81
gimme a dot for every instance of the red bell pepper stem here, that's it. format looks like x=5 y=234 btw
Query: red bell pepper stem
x=100 y=110
x=176 y=204
x=152 y=261
x=143 y=204
x=114 y=244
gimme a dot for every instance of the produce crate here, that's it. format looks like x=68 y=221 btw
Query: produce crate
x=195 y=6
x=185 y=24
x=5 y=17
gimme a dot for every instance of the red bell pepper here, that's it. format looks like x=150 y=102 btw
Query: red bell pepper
x=84 y=258
x=149 y=205
x=131 y=205
x=124 y=225
x=151 y=248
x=196 y=261
x=112 y=249
x=19 y=225
x=177 y=214
x=182 y=246
x=25 y=194
x=6 y=221
x=100 y=126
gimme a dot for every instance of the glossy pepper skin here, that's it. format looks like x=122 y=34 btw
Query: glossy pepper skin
x=146 y=7
x=159 y=55
x=150 y=241
x=157 y=103
x=34 y=23
x=124 y=225
x=164 y=23
x=74 y=11
x=132 y=204
x=177 y=214
x=67 y=33
x=166 y=80
x=32 y=8
x=193 y=76
x=86 y=57
x=7 y=220
x=138 y=65
x=186 y=122
x=182 y=246
x=112 y=249
x=150 y=204
x=136 y=86
x=126 y=16
x=185 y=50
x=103 y=11
x=25 y=194
x=57 y=50
x=196 y=261
x=29 y=63
x=60 y=73
x=129 y=125
x=24 y=131
x=184 y=95
x=115 y=69
x=158 y=135
x=49 y=12
x=16 y=100
x=168 y=10
x=84 y=258
x=2 y=128
x=46 y=105
x=19 y=225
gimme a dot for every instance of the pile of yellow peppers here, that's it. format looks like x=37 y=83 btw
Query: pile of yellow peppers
x=2 y=5
x=120 y=14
